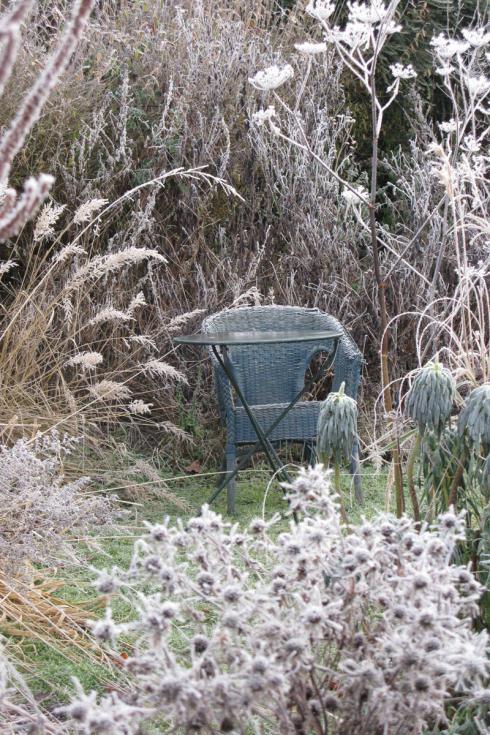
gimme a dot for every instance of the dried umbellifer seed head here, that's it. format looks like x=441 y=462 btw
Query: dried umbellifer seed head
x=430 y=400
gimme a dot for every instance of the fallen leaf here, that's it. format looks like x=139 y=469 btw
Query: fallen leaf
x=194 y=468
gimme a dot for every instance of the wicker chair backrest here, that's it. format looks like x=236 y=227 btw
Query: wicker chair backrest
x=275 y=373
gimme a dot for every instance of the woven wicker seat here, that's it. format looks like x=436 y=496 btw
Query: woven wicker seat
x=271 y=375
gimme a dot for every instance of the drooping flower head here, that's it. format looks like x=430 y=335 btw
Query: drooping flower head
x=430 y=400
x=474 y=419
x=337 y=426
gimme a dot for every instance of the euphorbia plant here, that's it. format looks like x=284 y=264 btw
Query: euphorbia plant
x=337 y=432
x=452 y=455
x=429 y=403
x=453 y=450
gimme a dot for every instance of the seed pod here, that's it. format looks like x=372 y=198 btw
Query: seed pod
x=474 y=419
x=430 y=400
x=337 y=427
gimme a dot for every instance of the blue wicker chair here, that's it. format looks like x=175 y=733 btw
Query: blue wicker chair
x=271 y=375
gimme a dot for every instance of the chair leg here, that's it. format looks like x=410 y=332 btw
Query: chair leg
x=230 y=457
x=222 y=469
x=355 y=469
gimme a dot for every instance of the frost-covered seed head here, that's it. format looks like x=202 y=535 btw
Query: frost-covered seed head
x=232 y=594
x=420 y=582
x=433 y=644
x=272 y=77
x=426 y=620
x=422 y=683
x=200 y=643
x=205 y=581
x=259 y=665
x=153 y=564
x=257 y=526
x=79 y=711
x=331 y=703
x=231 y=620
x=169 y=610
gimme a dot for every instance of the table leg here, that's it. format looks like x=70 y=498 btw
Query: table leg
x=269 y=450
x=247 y=456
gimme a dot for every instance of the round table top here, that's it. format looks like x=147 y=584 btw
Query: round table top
x=257 y=337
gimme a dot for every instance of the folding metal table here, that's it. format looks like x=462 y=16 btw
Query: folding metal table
x=220 y=344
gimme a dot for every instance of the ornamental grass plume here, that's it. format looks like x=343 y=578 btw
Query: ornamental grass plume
x=295 y=630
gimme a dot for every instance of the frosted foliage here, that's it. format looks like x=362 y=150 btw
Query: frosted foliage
x=293 y=629
x=17 y=209
x=38 y=506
